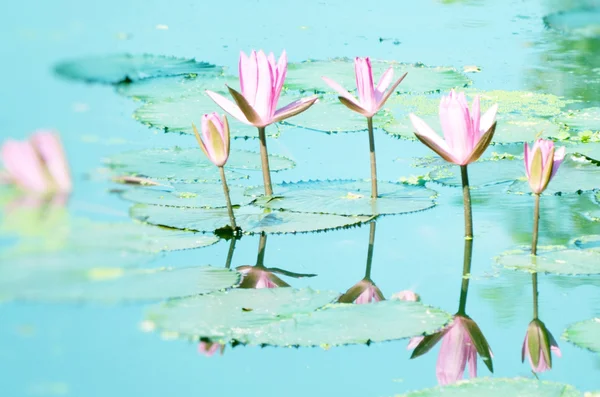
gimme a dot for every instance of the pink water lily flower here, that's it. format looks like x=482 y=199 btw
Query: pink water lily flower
x=214 y=141
x=466 y=133
x=259 y=277
x=209 y=348
x=541 y=163
x=537 y=346
x=261 y=82
x=365 y=291
x=38 y=165
x=371 y=97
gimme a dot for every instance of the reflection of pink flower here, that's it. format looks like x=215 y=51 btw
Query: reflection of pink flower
x=209 y=348
x=538 y=345
x=407 y=295
x=259 y=277
x=38 y=164
x=365 y=291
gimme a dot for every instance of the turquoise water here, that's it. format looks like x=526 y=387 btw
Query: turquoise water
x=90 y=349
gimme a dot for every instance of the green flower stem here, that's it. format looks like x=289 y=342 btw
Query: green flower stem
x=536 y=224
x=535 y=294
x=466 y=274
x=230 y=253
x=373 y=160
x=264 y=156
x=467 y=202
x=370 y=252
x=228 y=200
x=260 y=259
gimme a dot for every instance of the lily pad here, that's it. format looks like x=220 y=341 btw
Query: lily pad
x=499 y=387
x=190 y=195
x=250 y=218
x=576 y=174
x=174 y=87
x=189 y=164
x=287 y=317
x=582 y=21
x=347 y=197
x=581 y=120
x=306 y=76
x=178 y=114
x=585 y=334
x=481 y=173
x=114 y=284
x=119 y=68
x=573 y=262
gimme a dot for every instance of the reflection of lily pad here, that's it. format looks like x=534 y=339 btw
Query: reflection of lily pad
x=191 y=195
x=558 y=261
x=165 y=88
x=278 y=320
x=499 y=387
x=114 y=284
x=329 y=115
x=189 y=164
x=481 y=173
x=576 y=174
x=585 y=334
x=582 y=21
x=348 y=197
x=178 y=114
x=581 y=120
x=306 y=76
x=251 y=219
x=117 y=68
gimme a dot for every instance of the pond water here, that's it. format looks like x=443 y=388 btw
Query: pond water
x=89 y=341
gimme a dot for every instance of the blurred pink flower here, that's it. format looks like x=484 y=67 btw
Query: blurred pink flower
x=538 y=345
x=365 y=291
x=209 y=348
x=214 y=141
x=541 y=163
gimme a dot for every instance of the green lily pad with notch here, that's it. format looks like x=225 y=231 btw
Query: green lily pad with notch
x=173 y=87
x=573 y=262
x=120 y=68
x=235 y=315
x=346 y=197
x=178 y=114
x=189 y=195
x=190 y=164
x=306 y=76
x=499 y=387
x=114 y=284
x=585 y=334
x=575 y=175
x=250 y=218
x=591 y=150
x=331 y=116
x=579 y=21
x=481 y=173
x=581 y=120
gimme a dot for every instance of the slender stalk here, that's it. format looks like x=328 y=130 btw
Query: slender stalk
x=264 y=157
x=373 y=160
x=467 y=202
x=536 y=224
x=230 y=253
x=228 y=200
x=535 y=294
x=370 y=251
x=466 y=274
x=260 y=259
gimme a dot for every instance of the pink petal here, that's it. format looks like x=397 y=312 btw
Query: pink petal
x=414 y=342
x=355 y=108
x=559 y=157
x=264 y=93
x=488 y=118
x=50 y=149
x=472 y=359
x=527 y=158
x=475 y=123
x=384 y=83
x=228 y=106
x=248 y=69
x=458 y=125
x=280 y=74
x=425 y=131
x=340 y=90
x=452 y=358
x=387 y=95
x=406 y=295
x=23 y=164
x=293 y=108
x=364 y=80
x=207 y=143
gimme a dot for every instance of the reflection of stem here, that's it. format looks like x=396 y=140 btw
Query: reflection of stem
x=535 y=295
x=230 y=253
x=370 y=252
x=373 y=161
x=536 y=224
x=264 y=157
x=261 y=250
x=228 y=199
x=467 y=202
x=464 y=288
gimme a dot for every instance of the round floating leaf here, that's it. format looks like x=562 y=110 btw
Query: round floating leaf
x=347 y=197
x=581 y=120
x=251 y=219
x=499 y=387
x=114 y=284
x=561 y=261
x=306 y=76
x=174 y=87
x=117 y=68
x=481 y=173
x=329 y=115
x=594 y=215
x=585 y=334
x=178 y=114
x=576 y=174
x=236 y=314
x=190 y=195
x=583 y=21
x=189 y=164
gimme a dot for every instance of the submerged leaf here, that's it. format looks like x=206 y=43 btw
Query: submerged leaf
x=585 y=334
